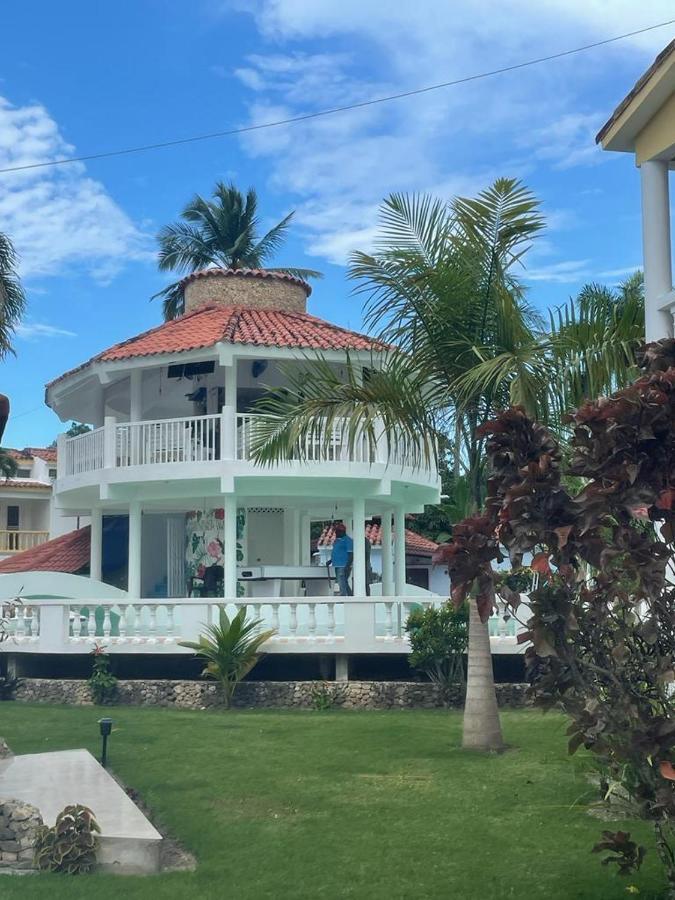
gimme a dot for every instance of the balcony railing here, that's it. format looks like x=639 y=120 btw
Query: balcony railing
x=203 y=439
x=14 y=541
x=302 y=624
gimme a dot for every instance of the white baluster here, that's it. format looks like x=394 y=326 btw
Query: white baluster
x=107 y=626
x=91 y=622
x=256 y=615
x=136 y=623
x=294 y=620
x=389 y=619
x=331 y=619
x=170 y=623
x=20 y=623
x=312 y=619
x=152 y=629
x=122 y=626
x=275 y=617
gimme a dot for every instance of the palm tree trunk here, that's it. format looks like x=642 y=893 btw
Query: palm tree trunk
x=482 y=728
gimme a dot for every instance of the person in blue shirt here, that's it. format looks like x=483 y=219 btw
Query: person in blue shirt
x=342 y=559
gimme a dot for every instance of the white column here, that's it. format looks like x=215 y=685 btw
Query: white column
x=359 y=538
x=306 y=540
x=228 y=422
x=230 y=547
x=96 y=548
x=387 y=555
x=136 y=395
x=656 y=247
x=399 y=551
x=134 y=565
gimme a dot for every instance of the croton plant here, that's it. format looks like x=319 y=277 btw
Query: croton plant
x=602 y=628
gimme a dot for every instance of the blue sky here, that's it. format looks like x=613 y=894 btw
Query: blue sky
x=79 y=78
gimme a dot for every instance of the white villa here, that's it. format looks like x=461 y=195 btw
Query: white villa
x=26 y=510
x=184 y=521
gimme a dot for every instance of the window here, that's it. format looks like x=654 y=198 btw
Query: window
x=52 y=474
x=23 y=473
x=12 y=516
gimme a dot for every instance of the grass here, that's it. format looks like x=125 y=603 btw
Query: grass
x=341 y=804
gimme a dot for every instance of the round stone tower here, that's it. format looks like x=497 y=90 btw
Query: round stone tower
x=251 y=288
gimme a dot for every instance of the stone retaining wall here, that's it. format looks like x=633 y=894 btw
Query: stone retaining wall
x=19 y=822
x=265 y=694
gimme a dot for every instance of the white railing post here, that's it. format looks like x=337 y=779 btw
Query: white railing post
x=194 y=617
x=359 y=624
x=61 y=468
x=228 y=433
x=54 y=627
x=109 y=442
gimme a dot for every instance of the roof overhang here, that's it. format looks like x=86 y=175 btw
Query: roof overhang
x=640 y=122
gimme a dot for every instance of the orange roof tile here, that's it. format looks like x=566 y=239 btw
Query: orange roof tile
x=213 y=323
x=414 y=543
x=67 y=553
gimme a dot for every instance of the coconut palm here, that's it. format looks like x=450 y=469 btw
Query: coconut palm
x=231 y=649
x=223 y=231
x=442 y=286
x=12 y=297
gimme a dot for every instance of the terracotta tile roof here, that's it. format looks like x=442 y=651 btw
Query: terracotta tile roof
x=414 y=543
x=635 y=90
x=213 y=323
x=67 y=553
x=24 y=483
x=46 y=453
x=247 y=273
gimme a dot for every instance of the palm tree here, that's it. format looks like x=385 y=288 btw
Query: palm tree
x=12 y=297
x=231 y=649
x=223 y=232
x=442 y=287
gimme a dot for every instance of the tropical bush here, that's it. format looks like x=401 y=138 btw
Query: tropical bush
x=231 y=649
x=71 y=845
x=603 y=614
x=438 y=640
x=102 y=682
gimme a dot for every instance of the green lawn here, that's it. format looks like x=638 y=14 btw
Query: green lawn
x=341 y=804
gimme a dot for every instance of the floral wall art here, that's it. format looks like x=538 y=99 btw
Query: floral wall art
x=205 y=540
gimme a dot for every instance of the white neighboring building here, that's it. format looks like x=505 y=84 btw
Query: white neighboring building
x=26 y=501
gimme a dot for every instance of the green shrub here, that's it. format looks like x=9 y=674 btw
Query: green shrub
x=438 y=639
x=71 y=844
x=326 y=695
x=102 y=682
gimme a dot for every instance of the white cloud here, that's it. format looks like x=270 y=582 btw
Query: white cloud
x=566 y=272
x=58 y=217
x=452 y=140
x=32 y=331
x=620 y=273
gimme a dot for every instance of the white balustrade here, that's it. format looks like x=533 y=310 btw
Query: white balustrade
x=199 y=439
x=190 y=440
x=337 y=624
x=84 y=452
x=15 y=540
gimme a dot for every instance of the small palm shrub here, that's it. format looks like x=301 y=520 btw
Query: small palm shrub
x=231 y=649
x=70 y=846
x=102 y=682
